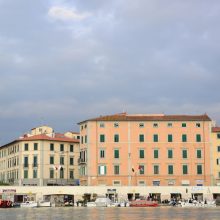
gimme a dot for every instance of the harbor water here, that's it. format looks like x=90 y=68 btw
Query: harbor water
x=95 y=213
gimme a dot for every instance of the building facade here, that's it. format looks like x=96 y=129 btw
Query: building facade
x=216 y=155
x=146 y=150
x=41 y=158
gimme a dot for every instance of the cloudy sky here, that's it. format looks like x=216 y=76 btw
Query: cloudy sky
x=65 y=61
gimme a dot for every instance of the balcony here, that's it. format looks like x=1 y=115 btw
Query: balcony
x=82 y=161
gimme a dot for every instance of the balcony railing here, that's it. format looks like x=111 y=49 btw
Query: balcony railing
x=81 y=161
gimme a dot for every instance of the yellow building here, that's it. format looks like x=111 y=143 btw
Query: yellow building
x=216 y=154
x=41 y=158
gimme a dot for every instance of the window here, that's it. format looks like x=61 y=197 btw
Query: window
x=81 y=127
x=61 y=173
x=218 y=174
x=26 y=147
x=169 y=125
x=183 y=125
x=198 y=138
x=116 y=153
x=141 y=125
x=35 y=146
x=170 y=169
x=25 y=174
x=101 y=125
x=51 y=173
x=141 y=153
x=116 y=125
x=102 y=138
x=218 y=136
x=25 y=161
x=170 y=153
x=198 y=125
x=71 y=174
x=218 y=161
x=61 y=147
x=170 y=138
x=116 y=169
x=185 y=169
x=116 y=138
x=102 y=170
x=198 y=154
x=155 y=125
x=141 y=137
x=102 y=153
x=184 y=154
x=85 y=139
x=156 y=153
x=141 y=169
x=218 y=148
x=156 y=169
x=184 y=138
x=71 y=161
x=35 y=161
x=51 y=147
x=81 y=139
x=62 y=160
x=155 y=137
x=34 y=174
x=71 y=148
x=199 y=169
x=51 y=159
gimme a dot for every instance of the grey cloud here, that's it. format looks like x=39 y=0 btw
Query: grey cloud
x=139 y=56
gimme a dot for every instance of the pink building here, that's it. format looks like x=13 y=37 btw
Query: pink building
x=126 y=150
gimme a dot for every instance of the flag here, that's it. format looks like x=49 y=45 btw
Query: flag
x=141 y=168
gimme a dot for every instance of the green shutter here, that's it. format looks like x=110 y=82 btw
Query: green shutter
x=155 y=137
x=170 y=138
x=105 y=168
x=199 y=154
x=141 y=138
x=141 y=153
x=156 y=153
x=116 y=153
x=184 y=154
x=170 y=154
x=170 y=169
x=184 y=138
x=185 y=169
x=198 y=138
x=199 y=169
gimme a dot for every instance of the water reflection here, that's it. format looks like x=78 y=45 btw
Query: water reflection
x=81 y=213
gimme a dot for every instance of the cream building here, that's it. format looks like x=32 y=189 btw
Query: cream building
x=41 y=158
x=216 y=155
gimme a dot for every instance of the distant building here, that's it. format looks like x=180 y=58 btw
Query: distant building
x=41 y=158
x=216 y=154
x=151 y=150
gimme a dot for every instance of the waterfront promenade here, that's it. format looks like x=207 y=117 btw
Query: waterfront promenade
x=38 y=193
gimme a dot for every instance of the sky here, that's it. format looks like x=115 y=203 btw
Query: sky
x=62 y=62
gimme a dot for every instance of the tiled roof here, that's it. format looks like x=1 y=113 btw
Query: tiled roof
x=44 y=137
x=56 y=137
x=158 y=117
x=216 y=129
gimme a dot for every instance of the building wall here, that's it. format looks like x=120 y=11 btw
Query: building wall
x=15 y=171
x=129 y=146
x=216 y=156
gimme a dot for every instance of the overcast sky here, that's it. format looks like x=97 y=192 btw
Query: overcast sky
x=62 y=62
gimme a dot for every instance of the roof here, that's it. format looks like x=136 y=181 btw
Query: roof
x=216 y=129
x=56 y=137
x=155 y=117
